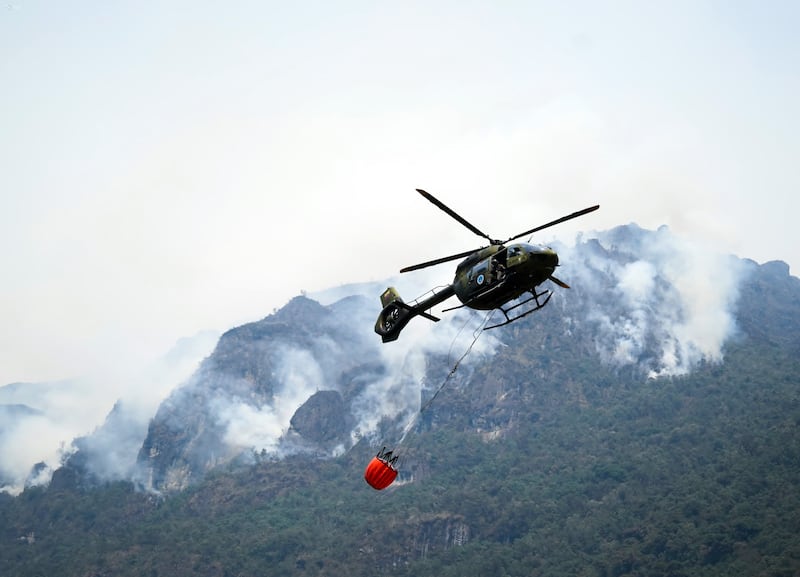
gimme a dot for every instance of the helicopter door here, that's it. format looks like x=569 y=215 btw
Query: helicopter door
x=499 y=263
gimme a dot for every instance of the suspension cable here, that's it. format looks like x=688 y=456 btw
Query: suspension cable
x=475 y=336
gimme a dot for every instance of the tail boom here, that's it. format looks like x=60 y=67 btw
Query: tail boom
x=396 y=313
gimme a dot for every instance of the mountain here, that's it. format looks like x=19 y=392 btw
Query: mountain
x=313 y=378
x=8 y=413
x=260 y=389
x=644 y=422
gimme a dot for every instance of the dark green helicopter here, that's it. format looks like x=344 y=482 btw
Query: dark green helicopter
x=488 y=278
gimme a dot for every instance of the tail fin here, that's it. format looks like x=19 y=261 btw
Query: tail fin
x=395 y=315
x=389 y=296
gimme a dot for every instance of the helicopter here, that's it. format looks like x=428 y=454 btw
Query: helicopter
x=489 y=278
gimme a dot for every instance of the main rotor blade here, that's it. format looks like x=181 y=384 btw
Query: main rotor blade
x=557 y=221
x=439 y=260
x=454 y=214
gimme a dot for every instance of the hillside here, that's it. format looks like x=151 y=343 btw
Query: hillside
x=619 y=431
x=688 y=476
x=644 y=304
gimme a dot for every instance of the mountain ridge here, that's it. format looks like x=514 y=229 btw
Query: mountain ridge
x=614 y=338
x=243 y=398
x=644 y=422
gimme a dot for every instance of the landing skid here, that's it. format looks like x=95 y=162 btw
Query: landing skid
x=546 y=294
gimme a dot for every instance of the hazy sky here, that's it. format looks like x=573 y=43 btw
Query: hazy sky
x=169 y=167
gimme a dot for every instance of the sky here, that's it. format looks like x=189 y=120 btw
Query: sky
x=168 y=168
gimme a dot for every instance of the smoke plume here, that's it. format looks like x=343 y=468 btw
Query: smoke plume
x=652 y=299
x=104 y=416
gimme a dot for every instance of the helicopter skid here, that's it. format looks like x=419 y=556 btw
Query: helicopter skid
x=545 y=294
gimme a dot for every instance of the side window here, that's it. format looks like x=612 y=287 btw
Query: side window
x=479 y=272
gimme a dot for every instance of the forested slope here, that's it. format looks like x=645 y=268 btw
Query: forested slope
x=698 y=475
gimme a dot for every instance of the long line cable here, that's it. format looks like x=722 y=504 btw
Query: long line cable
x=475 y=336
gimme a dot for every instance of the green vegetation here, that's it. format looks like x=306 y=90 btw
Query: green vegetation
x=595 y=474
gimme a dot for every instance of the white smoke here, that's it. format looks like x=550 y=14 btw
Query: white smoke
x=394 y=393
x=35 y=443
x=41 y=435
x=35 y=440
x=654 y=299
x=401 y=392
x=636 y=283
x=247 y=426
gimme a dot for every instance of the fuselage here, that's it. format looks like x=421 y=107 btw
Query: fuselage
x=497 y=274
